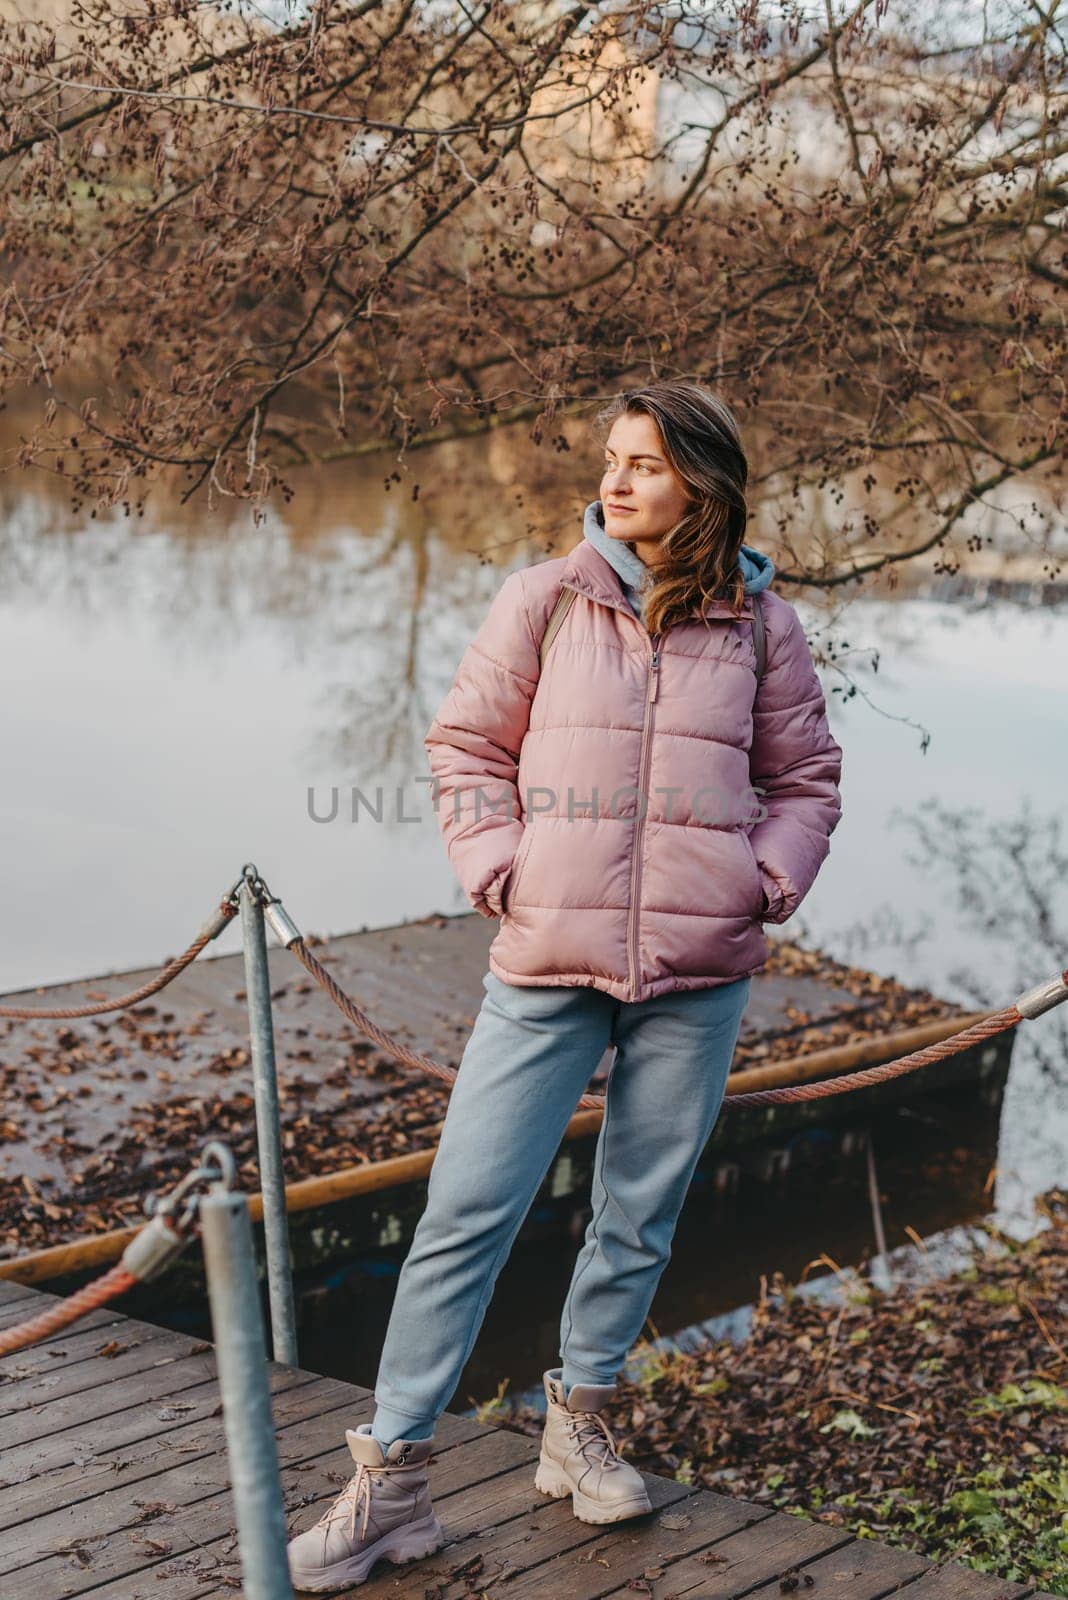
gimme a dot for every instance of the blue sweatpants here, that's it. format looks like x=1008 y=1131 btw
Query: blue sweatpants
x=526 y=1063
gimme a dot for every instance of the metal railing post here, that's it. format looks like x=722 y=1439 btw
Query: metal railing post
x=268 y=1127
x=241 y=1358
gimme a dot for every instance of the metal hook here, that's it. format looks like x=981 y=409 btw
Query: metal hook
x=223 y=1156
x=256 y=884
x=216 y=1169
x=230 y=897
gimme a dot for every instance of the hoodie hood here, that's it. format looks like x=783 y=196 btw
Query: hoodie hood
x=632 y=571
x=758 y=568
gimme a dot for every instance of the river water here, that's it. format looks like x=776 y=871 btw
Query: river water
x=183 y=698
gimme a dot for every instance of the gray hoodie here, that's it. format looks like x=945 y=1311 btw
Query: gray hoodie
x=759 y=569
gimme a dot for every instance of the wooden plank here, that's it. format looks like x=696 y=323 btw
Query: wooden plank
x=177 y=1510
x=548 y=1539
x=201 y=1559
x=136 y=1524
x=133 y=1327
x=45 y=1436
x=478 y=1485
x=111 y=1395
x=758 y=1554
x=484 y=1458
x=26 y=1311
x=951 y=1580
x=37 y=1300
x=105 y=1318
x=95 y=1384
x=41 y=1300
x=166 y=1518
x=866 y=1569
x=119 y=1482
x=13 y=1311
x=143 y=1472
x=617 y=1553
x=71 y=1465
x=490 y=1501
x=10 y=1293
x=68 y=1346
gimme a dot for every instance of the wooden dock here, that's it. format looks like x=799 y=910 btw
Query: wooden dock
x=103 y=1108
x=115 y=1485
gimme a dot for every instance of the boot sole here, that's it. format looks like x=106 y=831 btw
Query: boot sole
x=551 y=1479
x=410 y=1542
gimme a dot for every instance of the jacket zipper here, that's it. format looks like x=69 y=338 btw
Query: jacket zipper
x=651 y=694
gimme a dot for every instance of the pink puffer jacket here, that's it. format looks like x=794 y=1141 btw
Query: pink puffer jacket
x=610 y=799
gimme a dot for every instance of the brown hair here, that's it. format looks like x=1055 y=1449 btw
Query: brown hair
x=699 y=555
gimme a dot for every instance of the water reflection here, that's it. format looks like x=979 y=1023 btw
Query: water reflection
x=949 y=867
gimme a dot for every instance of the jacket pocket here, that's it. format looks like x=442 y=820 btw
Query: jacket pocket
x=518 y=863
x=757 y=899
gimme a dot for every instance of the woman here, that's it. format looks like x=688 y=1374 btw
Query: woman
x=634 y=809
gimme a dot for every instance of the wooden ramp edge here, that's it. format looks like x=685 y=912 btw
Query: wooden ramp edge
x=115 y=1485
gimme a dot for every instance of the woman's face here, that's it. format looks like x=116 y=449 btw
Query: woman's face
x=641 y=493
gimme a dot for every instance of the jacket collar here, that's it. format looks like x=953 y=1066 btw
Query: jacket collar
x=589 y=573
x=634 y=575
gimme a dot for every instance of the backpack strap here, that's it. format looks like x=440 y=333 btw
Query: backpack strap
x=556 y=619
x=760 y=643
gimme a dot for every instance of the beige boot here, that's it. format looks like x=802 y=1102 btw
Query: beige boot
x=383 y=1514
x=579 y=1456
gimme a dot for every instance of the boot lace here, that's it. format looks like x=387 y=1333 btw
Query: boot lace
x=591 y=1432
x=355 y=1498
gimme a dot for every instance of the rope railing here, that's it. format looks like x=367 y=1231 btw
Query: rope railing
x=1031 y=1004
x=172 y=1224
x=370 y=1029
x=219 y=919
x=997 y=1022
x=117 y=1280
